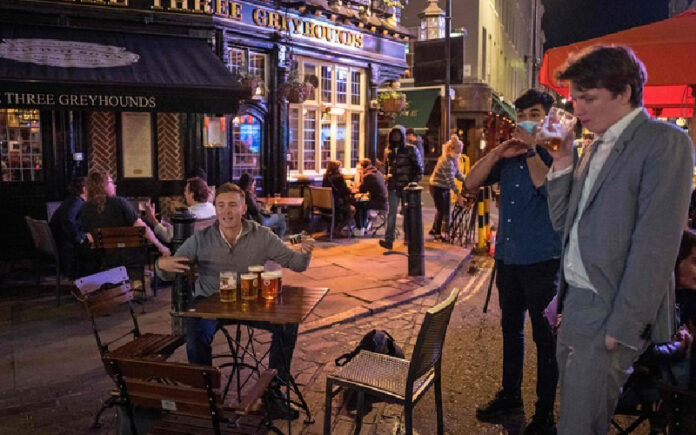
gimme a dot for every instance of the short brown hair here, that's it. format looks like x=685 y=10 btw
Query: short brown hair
x=229 y=188
x=198 y=188
x=609 y=67
x=77 y=185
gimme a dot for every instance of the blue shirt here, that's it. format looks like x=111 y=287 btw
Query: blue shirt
x=525 y=234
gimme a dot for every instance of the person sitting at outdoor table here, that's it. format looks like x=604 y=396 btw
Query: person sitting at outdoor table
x=342 y=195
x=274 y=221
x=234 y=243
x=442 y=181
x=373 y=184
x=67 y=229
x=104 y=209
x=196 y=196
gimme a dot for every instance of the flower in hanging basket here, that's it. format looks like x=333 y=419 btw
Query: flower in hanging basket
x=392 y=101
x=296 y=91
x=248 y=80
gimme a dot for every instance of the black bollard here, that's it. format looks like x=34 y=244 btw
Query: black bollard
x=416 y=257
x=182 y=221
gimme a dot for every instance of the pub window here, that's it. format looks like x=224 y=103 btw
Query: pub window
x=330 y=126
x=294 y=139
x=20 y=145
x=309 y=71
x=243 y=62
x=309 y=139
x=326 y=85
x=246 y=146
x=355 y=88
x=341 y=85
x=354 y=139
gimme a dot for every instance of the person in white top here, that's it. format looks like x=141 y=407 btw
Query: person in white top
x=621 y=208
x=196 y=195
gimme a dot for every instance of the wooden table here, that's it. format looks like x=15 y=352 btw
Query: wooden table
x=292 y=306
x=282 y=201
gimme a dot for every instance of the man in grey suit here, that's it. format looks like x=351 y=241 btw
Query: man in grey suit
x=622 y=207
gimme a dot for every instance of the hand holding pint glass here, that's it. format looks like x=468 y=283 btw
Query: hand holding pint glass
x=555 y=128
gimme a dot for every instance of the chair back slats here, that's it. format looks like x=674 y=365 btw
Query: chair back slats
x=119 y=237
x=180 y=398
x=103 y=291
x=203 y=223
x=42 y=236
x=109 y=299
x=191 y=375
x=431 y=338
x=91 y=283
x=321 y=197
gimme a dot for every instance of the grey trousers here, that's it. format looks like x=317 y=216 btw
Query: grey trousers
x=591 y=377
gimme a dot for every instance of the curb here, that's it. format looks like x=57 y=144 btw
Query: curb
x=440 y=280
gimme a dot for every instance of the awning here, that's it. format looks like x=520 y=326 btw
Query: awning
x=420 y=106
x=60 y=68
x=503 y=107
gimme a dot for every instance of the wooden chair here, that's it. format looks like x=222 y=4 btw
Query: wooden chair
x=321 y=200
x=679 y=409
x=397 y=380
x=188 y=394
x=101 y=293
x=111 y=240
x=45 y=246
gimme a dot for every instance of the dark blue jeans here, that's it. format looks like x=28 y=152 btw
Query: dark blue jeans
x=530 y=288
x=441 y=197
x=200 y=333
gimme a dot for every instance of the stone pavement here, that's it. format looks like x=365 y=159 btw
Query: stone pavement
x=52 y=380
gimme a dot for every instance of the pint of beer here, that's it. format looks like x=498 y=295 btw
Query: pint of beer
x=228 y=286
x=269 y=285
x=257 y=270
x=249 y=287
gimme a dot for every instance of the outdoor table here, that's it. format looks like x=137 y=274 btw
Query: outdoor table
x=292 y=306
x=282 y=201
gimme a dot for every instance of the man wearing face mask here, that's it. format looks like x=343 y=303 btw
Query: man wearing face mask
x=527 y=254
x=403 y=164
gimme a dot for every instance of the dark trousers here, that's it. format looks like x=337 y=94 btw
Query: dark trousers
x=200 y=334
x=441 y=196
x=361 y=214
x=530 y=288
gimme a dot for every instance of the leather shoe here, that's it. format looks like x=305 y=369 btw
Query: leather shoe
x=503 y=403
x=386 y=245
x=541 y=424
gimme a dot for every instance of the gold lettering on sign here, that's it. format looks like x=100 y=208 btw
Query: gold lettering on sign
x=296 y=25
x=229 y=9
x=203 y=6
x=260 y=17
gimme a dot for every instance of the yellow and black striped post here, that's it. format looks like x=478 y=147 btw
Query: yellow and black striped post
x=483 y=209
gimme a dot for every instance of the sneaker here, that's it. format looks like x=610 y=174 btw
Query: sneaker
x=358 y=232
x=386 y=245
x=541 y=424
x=502 y=404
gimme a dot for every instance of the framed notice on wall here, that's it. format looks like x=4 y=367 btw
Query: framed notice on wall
x=136 y=140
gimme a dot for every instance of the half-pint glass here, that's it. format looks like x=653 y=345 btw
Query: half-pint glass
x=228 y=286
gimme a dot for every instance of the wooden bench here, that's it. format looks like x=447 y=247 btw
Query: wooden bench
x=190 y=397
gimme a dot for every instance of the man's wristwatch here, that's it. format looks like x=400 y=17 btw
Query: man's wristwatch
x=530 y=153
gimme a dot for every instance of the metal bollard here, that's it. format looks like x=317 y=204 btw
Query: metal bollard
x=416 y=257
x=182 y=221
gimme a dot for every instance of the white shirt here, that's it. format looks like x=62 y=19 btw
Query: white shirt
x=202 y=210
x=573 y=267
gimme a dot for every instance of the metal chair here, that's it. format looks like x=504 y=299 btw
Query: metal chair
x=45 y=246
x=113 y=242
x=397 y=380
x=101 y=293
x=321 y=199
x=189 y=395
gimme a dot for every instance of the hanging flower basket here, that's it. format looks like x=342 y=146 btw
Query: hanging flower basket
x=295 y=91
x=393 y=104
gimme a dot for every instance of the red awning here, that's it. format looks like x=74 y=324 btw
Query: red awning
x=666 y=48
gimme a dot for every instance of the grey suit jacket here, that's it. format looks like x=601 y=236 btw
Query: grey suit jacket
x=630 y=231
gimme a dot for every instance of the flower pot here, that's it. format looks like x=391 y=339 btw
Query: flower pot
x=394 y=104
x=295 y=94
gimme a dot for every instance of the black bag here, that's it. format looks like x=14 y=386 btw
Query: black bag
x=377 y=341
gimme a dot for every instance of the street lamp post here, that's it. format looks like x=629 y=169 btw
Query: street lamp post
x=448 y=62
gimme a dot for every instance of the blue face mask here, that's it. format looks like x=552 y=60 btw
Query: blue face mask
x=528 y=125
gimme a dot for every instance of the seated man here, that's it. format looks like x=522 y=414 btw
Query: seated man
x=196 y=196
x=274 y=221
x=67 y=229
x=233 y=244
x=372 y=182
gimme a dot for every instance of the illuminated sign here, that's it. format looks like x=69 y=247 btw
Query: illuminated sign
x=307 y=28
x=60 y=100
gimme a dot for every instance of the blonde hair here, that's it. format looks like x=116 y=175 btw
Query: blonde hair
x=96 y=189
x=332 y=167
x=454 y=145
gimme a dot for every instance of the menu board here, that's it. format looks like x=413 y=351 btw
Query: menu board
x=136 y=140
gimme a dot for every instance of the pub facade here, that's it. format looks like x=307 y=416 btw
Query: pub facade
x=150 y=90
